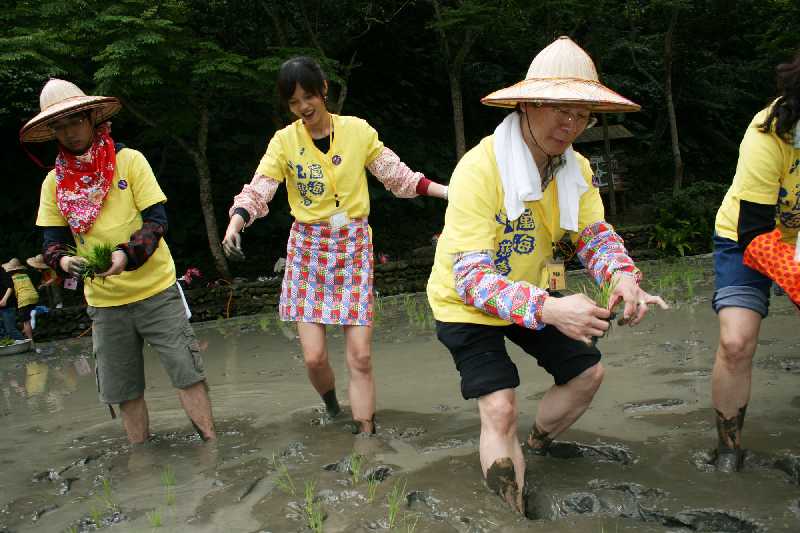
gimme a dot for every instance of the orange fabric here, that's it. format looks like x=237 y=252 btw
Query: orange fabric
x=774 y=258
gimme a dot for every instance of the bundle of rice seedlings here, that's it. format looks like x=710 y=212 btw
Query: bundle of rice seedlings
x=98 y=259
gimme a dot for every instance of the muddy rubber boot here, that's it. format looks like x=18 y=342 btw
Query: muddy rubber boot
x=501 y=479
x=729 y=456
x=331 y=403
x=538 y=441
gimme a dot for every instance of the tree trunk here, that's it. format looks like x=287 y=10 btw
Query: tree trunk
x=206 y=195
x=200 y=159
x=612 y=198
x=673 y=124
x=458 y=114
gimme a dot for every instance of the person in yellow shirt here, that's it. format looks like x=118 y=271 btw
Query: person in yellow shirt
x=321 y=157
x=512 y=197
x=25 y=293
x=767 y=178
x=103 y=193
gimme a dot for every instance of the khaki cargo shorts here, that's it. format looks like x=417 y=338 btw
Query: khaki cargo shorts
x=118 y=337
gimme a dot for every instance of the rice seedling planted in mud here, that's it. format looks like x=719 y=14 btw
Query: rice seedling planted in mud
x=372 y=487
x=154 y=517
x=356 y=462
x=394 y=499
x=106 y=497
x=97 y=516
x=314 y=516
x=284 y=481
x=411 y=522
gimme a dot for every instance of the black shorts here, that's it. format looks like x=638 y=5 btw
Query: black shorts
x=24 y=312
x=479 y=352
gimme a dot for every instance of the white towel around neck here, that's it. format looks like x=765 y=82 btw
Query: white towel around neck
x=522 y=182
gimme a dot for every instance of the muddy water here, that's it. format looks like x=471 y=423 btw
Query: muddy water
x=635 y=462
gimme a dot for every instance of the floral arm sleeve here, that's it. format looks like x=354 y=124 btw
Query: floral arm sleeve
x=254 y=198
x=480 y=285
x=144 y=241
x=602 y=251
x=395 y=175
x=770 y=255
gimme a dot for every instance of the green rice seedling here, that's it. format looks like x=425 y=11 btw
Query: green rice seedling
x=601 y=294
x=314 y=516
x=169 y=497
x=372 y=487
x=394 y=499
x=168 y=476
x=284 y=481
x=411 y=522
x=97 y=516
x=107 y=497
x=71 y=529
x=356 y=462
x=98 y=259
x=154 y=517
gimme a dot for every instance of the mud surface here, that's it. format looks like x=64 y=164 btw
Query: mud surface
x=637 y=461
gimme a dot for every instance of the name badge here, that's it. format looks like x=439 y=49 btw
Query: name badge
x=70 y=283
x=339 y=219
x=556 y=275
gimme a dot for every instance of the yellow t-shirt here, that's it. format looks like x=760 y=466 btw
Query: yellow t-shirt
x=768 y=172
x=24 y=290
x=312 y=178
x=476 y=220
x=133 y=189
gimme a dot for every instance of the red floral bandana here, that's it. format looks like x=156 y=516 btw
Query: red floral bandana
x=82 y=182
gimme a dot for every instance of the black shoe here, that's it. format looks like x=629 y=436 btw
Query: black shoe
x=729 y=460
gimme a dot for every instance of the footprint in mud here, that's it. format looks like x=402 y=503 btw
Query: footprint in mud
x=614 y=453
x=650 y=406
x=630 y=501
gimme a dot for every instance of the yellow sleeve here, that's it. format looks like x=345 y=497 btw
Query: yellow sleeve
x=142 y=181
x=471 y=209
x=591 y=208
x=758 y=170
x=49 y=214
x=373 y=145
x=273 y=163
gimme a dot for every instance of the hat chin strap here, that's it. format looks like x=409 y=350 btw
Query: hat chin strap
x=539 y=146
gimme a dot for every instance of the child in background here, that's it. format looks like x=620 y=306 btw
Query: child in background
x=26 y=294
x=8 y=308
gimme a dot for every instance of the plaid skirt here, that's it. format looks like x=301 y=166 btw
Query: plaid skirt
x=328 y=276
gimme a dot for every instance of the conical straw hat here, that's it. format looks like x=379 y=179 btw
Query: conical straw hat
x=60 y=98
x=13 y=265
x=562 y=73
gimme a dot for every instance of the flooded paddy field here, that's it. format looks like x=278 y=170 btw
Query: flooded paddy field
x=636 y=461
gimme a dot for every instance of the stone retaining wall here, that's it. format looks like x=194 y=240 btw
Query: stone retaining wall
x=242 y=298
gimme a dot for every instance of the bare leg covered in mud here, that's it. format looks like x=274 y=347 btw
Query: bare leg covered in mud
x=502 y=462
x=731 y=381
x=318 y=367
x=358 y=341
x=196 y=403
x=562 y=405
x=136 y=420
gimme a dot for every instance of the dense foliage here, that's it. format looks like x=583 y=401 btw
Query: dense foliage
x=197 y=78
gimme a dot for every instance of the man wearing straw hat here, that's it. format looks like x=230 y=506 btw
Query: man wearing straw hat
x=102 y=193
x=512 y=198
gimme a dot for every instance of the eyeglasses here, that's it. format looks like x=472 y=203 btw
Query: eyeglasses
x=581 y=119
x=63 y=125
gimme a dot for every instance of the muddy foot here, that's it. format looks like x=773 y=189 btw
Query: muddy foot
x=728 y=461
x=501 y=480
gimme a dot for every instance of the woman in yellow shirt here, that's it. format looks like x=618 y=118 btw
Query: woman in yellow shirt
x=748 y=236
x=328 y=277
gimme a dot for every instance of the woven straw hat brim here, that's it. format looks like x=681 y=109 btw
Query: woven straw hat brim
x=37 y=262
x=37 y=130
x=596 y=96
x=14 y=264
